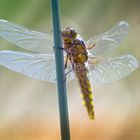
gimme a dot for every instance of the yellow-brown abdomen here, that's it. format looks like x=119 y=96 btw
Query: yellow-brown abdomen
x=87 y=98
x=86 y=90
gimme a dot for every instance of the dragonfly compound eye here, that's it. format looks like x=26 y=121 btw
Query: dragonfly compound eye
x=69 y=34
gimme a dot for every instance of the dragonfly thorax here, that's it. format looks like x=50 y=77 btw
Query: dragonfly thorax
x=80 y=51
x=77 y=51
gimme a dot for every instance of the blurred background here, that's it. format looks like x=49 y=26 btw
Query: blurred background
x=29 y=108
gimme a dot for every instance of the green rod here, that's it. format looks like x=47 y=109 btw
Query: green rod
x=61 y=84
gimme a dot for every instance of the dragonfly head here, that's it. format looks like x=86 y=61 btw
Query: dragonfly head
x=69 y=35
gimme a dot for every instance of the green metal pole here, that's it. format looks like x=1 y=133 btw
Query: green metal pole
x=59 y=59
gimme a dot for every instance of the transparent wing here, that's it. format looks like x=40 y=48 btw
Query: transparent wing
x=107 y=41
x=37 y=66
x=26 y=38
x=112 y=69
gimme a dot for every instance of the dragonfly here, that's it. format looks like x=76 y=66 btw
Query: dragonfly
x=86 y=61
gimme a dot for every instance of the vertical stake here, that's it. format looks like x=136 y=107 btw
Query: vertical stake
x=59 y=59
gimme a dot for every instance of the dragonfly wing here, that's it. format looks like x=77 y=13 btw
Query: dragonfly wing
x=79 y=37
x=107 y=41
x=26 y=38
x=112 y=69
x=37 y=66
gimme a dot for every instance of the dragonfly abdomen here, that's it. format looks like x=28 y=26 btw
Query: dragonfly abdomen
x=86 y=90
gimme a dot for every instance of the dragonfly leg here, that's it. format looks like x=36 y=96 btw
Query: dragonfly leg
x=69 y=71
x=66 y=63
x=66 y=50
x=59 y=47
x=65 y=78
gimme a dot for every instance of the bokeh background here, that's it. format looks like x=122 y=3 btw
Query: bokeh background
x=29 y=108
